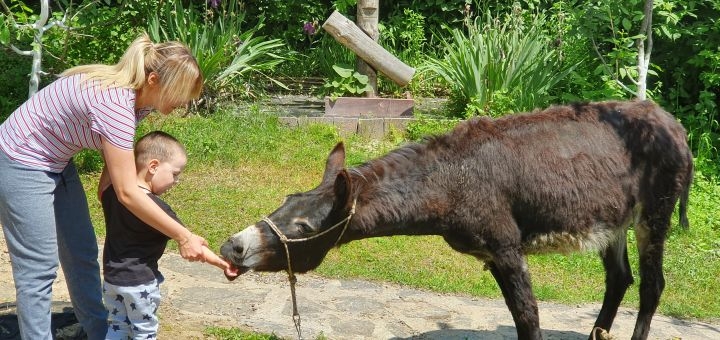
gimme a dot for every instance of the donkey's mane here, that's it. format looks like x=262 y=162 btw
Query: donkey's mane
x=431 y=148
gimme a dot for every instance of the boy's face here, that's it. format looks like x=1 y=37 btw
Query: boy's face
x=167 y=174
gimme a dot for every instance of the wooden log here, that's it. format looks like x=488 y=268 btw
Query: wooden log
x=351 y=36
x=367 y=20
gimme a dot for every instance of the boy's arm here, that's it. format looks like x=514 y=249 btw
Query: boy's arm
x=211 y=258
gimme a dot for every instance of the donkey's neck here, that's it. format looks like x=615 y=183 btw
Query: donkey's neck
x=394 y=196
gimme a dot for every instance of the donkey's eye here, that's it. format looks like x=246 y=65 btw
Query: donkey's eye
x=305 y=228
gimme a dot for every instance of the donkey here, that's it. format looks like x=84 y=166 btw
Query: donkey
x=568 y=178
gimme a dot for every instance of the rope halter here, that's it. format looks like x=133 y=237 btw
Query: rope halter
x=291 y=275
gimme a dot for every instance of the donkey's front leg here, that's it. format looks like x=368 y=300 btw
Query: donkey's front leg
x=509 y=268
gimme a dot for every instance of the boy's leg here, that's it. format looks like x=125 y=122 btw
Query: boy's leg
x=141 y=303
x=28 y=221
x=78 y=249
x=117 y=327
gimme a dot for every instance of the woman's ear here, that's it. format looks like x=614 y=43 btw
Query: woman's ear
x=153 y=79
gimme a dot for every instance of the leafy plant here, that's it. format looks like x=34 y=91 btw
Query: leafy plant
x=4 y=30
x=286 y=20
x=225 y=55
x=99 y=32
x=424 y=126
x=499 y=66
x=403 y=35
x=347 y=81
x=13 y=82
x=325 y=54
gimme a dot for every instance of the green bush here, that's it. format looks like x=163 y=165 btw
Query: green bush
x=500 y=66
x=285 y=20
x=13 y=81
x=404 y=36
x=225 y=51
x=424 y=126
x=99 y=33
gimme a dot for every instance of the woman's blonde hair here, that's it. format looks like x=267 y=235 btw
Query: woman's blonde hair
x=178 y=72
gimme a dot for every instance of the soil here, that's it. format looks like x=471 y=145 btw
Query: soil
x=196 y=296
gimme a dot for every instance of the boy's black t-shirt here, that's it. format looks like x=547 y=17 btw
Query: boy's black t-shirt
x=132 y=247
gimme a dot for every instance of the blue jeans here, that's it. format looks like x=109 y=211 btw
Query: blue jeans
x=46 y=222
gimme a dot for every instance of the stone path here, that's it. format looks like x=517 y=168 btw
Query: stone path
x=197 y=295
x=355 y=309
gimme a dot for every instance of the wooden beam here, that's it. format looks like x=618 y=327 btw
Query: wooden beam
x=351 y=36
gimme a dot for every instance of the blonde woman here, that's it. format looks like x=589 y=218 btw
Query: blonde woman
x=43 y=208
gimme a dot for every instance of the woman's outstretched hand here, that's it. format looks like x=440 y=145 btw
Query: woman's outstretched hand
x=191 y=248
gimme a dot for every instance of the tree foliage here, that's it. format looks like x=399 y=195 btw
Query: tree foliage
x=599 y=36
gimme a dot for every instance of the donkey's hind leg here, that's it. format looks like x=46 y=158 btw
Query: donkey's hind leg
x=651 y=245
x=618 y=277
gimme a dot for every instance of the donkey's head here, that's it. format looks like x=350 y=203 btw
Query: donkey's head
x=308 y=223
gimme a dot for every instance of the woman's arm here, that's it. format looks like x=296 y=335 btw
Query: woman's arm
x=120 y=165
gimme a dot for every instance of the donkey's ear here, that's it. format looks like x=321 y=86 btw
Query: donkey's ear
x=335 y=163
x=342 y=189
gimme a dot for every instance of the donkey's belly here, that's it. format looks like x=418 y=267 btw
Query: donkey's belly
x=597 y=238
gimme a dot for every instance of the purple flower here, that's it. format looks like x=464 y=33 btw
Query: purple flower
x=309 y=28
x=214 y=3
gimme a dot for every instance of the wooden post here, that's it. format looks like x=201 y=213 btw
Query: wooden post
x=367 y=20
x=351 y=36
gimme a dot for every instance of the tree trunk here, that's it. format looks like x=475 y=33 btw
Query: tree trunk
x=643 y=50
x=367 y=19
x=38 y=47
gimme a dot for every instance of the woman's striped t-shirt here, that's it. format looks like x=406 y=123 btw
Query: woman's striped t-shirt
x=67 y=116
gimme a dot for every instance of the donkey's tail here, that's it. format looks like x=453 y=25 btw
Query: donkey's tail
x=682 y=209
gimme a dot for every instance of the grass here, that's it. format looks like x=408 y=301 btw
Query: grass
x=237 y=334
x=241 y=166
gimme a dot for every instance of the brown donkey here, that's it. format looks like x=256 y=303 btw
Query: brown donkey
x=569 y=178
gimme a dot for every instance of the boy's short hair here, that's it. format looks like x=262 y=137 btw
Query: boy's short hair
x=157 y=145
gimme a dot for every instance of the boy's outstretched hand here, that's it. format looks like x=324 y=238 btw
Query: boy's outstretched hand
x=231 y=273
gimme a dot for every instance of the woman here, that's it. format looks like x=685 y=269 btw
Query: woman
x=43 y=208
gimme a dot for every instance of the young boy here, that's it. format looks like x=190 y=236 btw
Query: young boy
x=132 y=248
